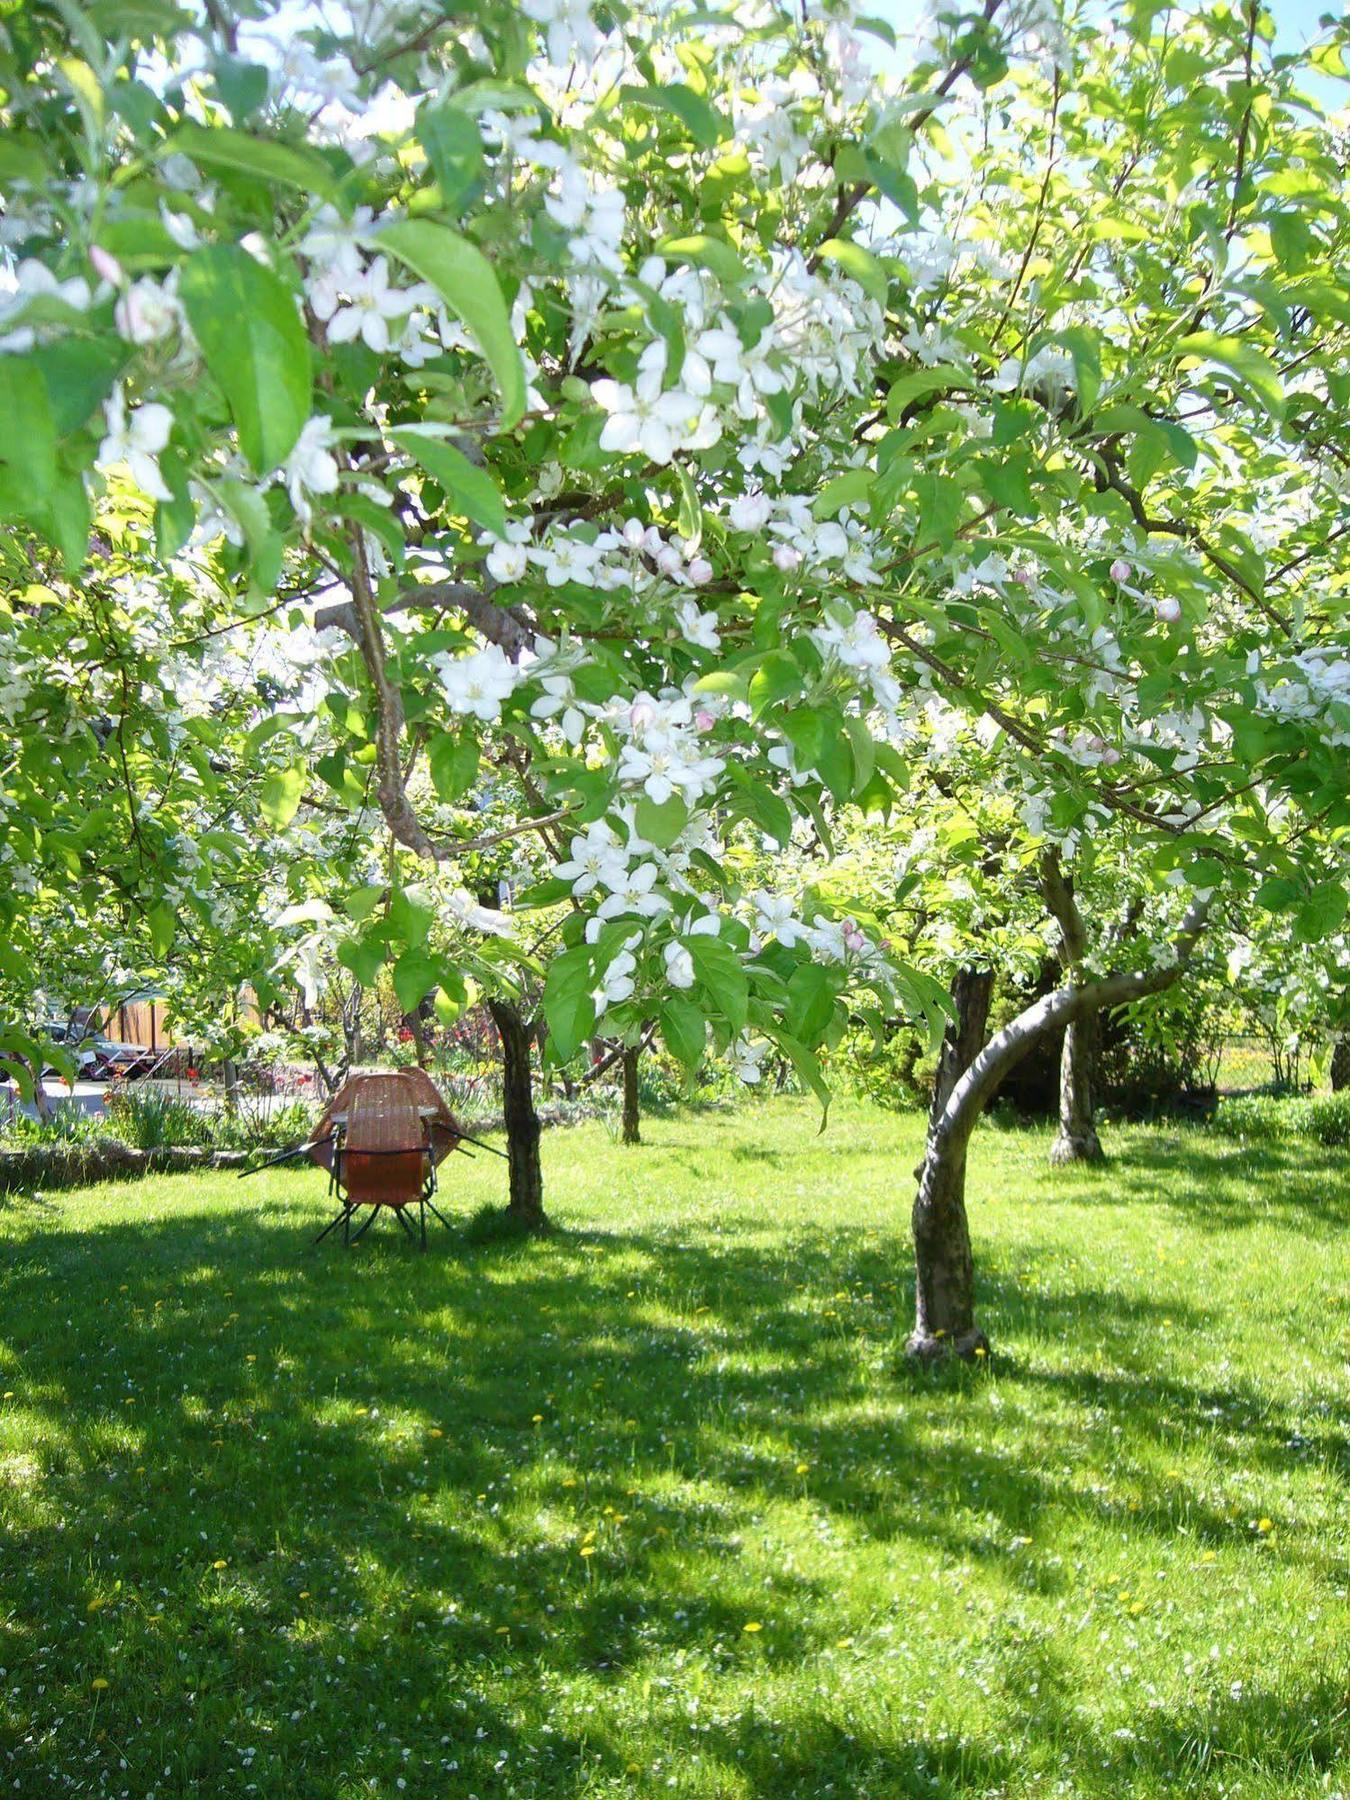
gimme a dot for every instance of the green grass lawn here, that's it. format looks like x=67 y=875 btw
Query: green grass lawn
x=654 y=1507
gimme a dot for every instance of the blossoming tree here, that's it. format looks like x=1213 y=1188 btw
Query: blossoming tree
x=668 y=405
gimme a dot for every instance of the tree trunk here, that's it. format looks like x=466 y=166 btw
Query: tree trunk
x=522 y=1122
x=944 y=1311
x=1077 y=1140
x=632 y=1112
x=1340 y=1065
x=944 y=1298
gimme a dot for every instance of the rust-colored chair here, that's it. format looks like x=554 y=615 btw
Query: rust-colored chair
x=384 y=1153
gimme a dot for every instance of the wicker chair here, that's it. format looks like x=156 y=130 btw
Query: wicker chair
x=384 y=1155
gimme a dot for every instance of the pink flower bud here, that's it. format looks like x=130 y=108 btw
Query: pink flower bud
x=106 y=265
x=669 y=560
x=1120 y=571
x=704 y=719
x=634 y=533
x=786 y=558
x=700 y=571
x=1024 y=578
x=1169 y=611
x=640 y=714
x=1111 y=756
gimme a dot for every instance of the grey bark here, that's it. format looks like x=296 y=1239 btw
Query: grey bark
x=945 y=1267
x=944 y=1313
x=526 y=1204
x=632 y=1110
x=1077 y=1139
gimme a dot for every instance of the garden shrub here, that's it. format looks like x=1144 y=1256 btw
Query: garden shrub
x=1325 y=1118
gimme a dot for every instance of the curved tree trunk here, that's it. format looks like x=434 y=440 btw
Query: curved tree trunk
x=1077 y=1140
x=522 y=1121
x=1340 y=1065
x=632 y=1110
x=944 y=1312
x=944 y=1300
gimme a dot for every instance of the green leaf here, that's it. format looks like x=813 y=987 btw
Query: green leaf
x=472 y=489
x=849 y=489
x=919 y=385
x=1084 y=346
x=468 y=284
x=454 y=764
x=708 y=253
x=1322 y=912
x=79 y=373
x=568 y=1004
x=807 y=1065
x=859 y=265
x=410 y=919
x=1253 y=370
x=280 y=798
x=778 y=676
x=704 y=124
x=689 y=524
x=163 y=923
x=254 y=344
x=685 y=1031
x=661 y=823
x=364 y=957
x=720 y=975
x=265 y=159
x=811 y=994
x=28 y=440
x=415 y=974
x=454 y=148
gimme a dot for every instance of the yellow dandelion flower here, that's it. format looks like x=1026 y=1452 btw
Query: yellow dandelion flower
x=752 y=1625
x=95 y=1605
x=1207 y=1556
x=304 y=1593
x=435 y=1431
x=1137 y=1608
x=536 y=1418
x=587 y=1550
x=219 y=1563
x=634 y=1769
x=503 y=1631
x=803 y=1468
x=1265 y=1524
x=98 y=1684
x=843 y=1643
x=569 y=1481
x=9 y=1393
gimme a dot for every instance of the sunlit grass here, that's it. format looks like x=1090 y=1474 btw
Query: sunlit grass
x=653 y=1506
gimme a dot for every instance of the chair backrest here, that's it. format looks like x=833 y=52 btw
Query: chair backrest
x=384 y=1145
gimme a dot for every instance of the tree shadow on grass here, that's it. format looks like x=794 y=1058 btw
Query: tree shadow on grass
x=420 y=1445
x=1219 y=1183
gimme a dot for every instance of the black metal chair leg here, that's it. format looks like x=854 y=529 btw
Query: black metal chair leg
x=400 y=1215
x=342 y=1219
x=422 y=1215
x=363 y=1228
x=439 y=1214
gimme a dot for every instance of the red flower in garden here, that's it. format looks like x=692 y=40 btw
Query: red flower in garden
x=404 y=1035
x=194 y=1074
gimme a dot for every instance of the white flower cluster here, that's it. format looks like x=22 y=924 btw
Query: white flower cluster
x=34 y=282
x=855 y=645
x=1312 y=686
x=664 y=750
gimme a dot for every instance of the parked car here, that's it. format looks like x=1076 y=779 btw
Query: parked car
x=100 y=1058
